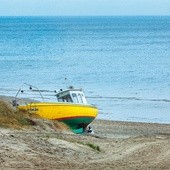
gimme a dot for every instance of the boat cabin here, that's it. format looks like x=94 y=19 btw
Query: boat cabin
x=71 y=96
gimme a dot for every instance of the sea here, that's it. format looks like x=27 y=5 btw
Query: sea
x=121 y=62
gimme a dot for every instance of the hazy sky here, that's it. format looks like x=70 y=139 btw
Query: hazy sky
x=84 y=7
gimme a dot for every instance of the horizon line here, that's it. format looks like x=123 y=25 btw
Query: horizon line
x=85 y=15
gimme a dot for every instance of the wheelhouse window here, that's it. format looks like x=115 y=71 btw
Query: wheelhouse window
x=77 y=98
x=66 y=98
x=80 y=98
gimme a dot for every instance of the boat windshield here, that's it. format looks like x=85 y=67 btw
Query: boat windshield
x=66 y=98
x=77 y=98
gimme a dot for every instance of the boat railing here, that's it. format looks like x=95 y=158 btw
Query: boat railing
x=32 y=94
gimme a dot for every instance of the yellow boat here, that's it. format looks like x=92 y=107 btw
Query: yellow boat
x=71 y=108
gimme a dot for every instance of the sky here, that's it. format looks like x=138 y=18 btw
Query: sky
x=83 y=7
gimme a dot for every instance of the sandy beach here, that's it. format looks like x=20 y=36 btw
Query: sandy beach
x=114 y=145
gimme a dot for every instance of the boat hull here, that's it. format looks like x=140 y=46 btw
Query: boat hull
x=76 y=116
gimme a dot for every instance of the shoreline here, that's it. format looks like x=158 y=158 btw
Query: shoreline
x=128 y=121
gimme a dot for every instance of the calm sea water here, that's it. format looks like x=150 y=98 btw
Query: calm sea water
x=122 y=63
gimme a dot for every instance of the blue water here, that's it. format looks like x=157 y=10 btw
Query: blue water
x=122 y=63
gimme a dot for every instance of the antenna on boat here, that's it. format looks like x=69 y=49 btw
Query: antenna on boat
x=66 y=82
x=68 y=85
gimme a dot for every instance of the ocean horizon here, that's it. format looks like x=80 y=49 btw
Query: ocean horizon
x=121 y=62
